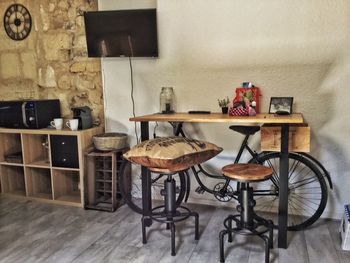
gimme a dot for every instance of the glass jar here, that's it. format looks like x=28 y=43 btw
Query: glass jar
x=167 y=100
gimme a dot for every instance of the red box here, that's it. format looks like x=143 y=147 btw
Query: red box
x=256 y=96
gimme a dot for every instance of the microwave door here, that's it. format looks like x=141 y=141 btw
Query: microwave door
x=11 y=114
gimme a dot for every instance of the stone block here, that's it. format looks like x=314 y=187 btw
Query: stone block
x=6 y=43
x=80 y=42
x=93 y=66
x=45 y=19
x=29 y=65
x=72 y=13
x=79 y=21
x=46 y=77
x=82 y=84
x=63 y=5
x=51 y=7
x=54 y=43
x=65 y=82
x=31 y=40
x=98 y=81
x=18 y=89
x=10 y=65
x=59 y=20
x=95 y=96
x=77 y=67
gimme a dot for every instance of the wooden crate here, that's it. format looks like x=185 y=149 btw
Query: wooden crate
x=299 y=138
x=102 y=185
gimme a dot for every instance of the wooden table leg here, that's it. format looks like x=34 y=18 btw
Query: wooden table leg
x=146 y=180
x=283 y=188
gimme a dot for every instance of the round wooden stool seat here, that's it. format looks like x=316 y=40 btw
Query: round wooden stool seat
x=247 y=172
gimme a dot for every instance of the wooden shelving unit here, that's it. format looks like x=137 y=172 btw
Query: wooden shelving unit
x=27 y=168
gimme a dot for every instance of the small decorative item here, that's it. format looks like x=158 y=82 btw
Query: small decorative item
x=281 y=105
x=17 y=22
x=238 y=111
x=224 y=104
x=167 y=100
x=245 y=103
x=247 y=85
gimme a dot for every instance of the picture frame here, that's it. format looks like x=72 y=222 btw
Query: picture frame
x=281 y=105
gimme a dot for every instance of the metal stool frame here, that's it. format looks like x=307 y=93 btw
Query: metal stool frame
x=170 y=213
x=247 y=222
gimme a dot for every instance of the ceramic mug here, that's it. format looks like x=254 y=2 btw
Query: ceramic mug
x=73 y=124
x=57 y=123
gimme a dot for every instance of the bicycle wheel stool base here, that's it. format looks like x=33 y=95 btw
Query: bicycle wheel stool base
x=247 y=223
x=169 y=213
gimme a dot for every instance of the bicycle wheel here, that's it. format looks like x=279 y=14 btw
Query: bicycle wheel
x=307 y=191
x=131 y=192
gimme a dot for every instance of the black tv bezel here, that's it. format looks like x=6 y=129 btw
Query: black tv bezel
x=90 y=43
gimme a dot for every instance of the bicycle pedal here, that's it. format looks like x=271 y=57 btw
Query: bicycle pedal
x=199 y=190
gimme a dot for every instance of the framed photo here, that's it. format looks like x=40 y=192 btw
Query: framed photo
x=281 y=105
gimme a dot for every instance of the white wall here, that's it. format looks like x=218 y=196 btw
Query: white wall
x=208 y=48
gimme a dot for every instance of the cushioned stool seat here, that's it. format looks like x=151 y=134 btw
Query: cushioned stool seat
x=168 y=156
x=174 y=152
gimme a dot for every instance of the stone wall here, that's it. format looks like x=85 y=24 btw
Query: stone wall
x=52 y=61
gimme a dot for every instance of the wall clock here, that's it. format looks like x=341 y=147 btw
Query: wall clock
x=17 y=22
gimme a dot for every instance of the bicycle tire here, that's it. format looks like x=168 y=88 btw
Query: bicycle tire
x=319 y=165
x=307 y=194
x=135 y=203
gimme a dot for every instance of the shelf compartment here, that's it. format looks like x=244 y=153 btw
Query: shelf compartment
x=39 y=164
x=39 y=183
x=104 y=175
x=103 y=163
x=66 y=185
x=12 y=180
x=36 y=150
x=11 y=148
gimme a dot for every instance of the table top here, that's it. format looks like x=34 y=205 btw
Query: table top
x=219 y=117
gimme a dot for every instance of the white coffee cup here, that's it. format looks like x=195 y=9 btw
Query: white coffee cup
x=73 y=124
x=57 y=123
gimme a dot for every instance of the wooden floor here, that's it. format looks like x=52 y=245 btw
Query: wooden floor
x=37 y=232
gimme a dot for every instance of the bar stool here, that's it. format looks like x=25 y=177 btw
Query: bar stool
x=168 y=156
x=247 y=222
x=169 y=213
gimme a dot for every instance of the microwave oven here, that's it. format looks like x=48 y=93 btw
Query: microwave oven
x=30 y=114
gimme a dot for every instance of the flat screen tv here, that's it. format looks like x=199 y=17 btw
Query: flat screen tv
x=121 y=33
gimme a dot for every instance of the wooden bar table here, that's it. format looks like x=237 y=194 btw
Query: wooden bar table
x=283 y=120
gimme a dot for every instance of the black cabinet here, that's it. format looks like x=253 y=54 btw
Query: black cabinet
x=64 y=151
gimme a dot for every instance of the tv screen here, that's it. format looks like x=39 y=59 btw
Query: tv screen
x=121 y=33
